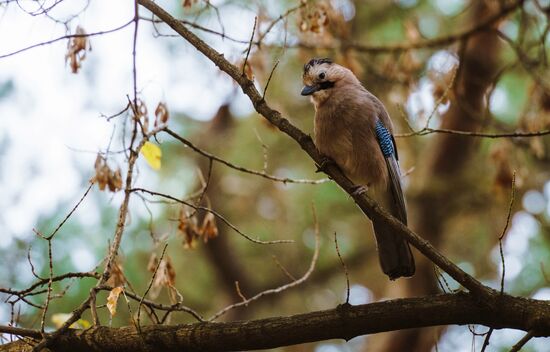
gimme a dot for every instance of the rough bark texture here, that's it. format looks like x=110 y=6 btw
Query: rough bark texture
x=342 y=322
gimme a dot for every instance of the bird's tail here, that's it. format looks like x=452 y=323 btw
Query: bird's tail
x=394 y=253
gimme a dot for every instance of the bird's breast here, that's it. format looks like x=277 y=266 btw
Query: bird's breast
x=349 y=141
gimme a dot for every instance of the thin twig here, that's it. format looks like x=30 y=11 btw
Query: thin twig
x=215 y=213
x=249 y=45
x=503 y=233
x=269 y=78
x=426 y=131
x=70 y=213
x=280 y=288
x=49 y=292
x=283 y=269
x=240 y=168
x=343 y=266
x=151 y=304
x=149 y=286
x=239 y=292
x=67 y=37
x=523 y=341
x=134 y=45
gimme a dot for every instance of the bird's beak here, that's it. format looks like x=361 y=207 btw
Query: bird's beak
x=308 y=90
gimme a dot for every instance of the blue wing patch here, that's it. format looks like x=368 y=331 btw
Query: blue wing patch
x=384 y=139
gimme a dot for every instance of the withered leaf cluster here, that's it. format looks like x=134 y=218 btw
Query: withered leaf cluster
x=189 y=229
x=141 y=114
x=105 y=177
x=76 y=49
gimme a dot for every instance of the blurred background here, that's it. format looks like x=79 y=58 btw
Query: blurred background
x=54 y=122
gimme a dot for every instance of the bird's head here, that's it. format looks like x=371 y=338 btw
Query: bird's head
x=322 y=76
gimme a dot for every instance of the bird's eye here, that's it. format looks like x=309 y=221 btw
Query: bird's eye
x=322 y=75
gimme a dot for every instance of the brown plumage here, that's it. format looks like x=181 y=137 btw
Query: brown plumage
x=349 y=128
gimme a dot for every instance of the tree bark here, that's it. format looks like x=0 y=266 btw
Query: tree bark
x=344 y=322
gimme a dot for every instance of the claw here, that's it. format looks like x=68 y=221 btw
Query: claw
x=359 y=190
x=324 y=162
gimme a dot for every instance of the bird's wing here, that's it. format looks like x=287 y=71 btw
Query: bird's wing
x=389 y=150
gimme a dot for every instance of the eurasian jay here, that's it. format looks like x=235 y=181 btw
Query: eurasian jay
x=353 y=128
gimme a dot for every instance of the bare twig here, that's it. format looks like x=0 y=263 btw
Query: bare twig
x=69 y=36
x=44 y=281
x=503 y=233
x=426 y=131
x=249 y=45
x=49 y=291
x=269 y=78
x=149 y=286
x=280 y=288
x=215 y=213
x=278 y=19
x=49 y=237
x=240 y=168
x=343 y=266
x=134 y=45
x=239 y=292
x=178 y=307
x=523 y=341
x=283 y=269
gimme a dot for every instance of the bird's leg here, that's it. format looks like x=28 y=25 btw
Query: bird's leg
x=359 y=190
x=325 y=161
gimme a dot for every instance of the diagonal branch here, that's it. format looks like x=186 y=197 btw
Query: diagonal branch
x=367 y=205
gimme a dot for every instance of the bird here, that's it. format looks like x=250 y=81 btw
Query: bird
x=353 y=129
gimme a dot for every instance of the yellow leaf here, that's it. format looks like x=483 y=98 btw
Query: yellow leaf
x=112 y=299
x=60 y=318
x=152 y=154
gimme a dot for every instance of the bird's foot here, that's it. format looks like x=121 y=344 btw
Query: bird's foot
x=359 y=190
x=325 y=161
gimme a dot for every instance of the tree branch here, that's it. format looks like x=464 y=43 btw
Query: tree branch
x=367 y=205
x=344 y=322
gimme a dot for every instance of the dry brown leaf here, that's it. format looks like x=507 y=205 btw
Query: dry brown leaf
x=165 y=277
x=115 y=181
x=208 y=229
x=117 y=277
x=187 y=225
x=161 y=114
x=105 y=177
x=153 y=262
x=188 y=3
x=112 y=299
x=76 y=49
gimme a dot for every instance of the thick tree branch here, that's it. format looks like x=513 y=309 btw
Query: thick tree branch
x=369 y=207
x=344 y=322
